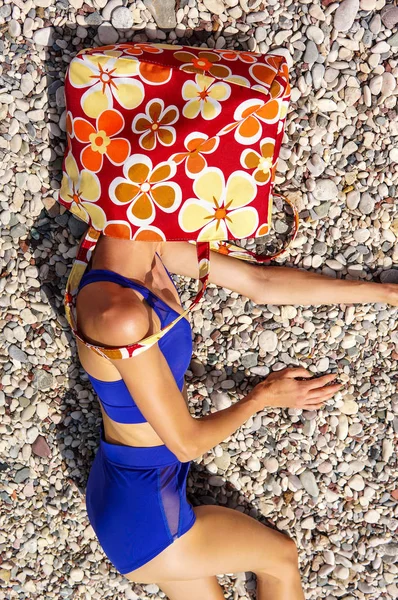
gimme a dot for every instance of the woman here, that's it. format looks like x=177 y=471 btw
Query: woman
x=136 y=498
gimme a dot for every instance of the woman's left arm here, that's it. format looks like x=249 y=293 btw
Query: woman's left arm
x=277 y=285
x=236 y=275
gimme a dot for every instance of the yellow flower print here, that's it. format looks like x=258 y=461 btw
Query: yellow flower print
x=220 y=210
x=107 y=77
x=262 y=163
x=154 y=125
x=143 y=188
x=204 y=96
x=81 y=191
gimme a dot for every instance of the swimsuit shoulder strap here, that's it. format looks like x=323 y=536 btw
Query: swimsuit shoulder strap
x=75 y=283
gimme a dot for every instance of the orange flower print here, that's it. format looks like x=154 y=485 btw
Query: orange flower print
x=248 y=118
x=205 y=62
x=139 y=49
x=154 y=125
x=144 y=188
x=262 y=163
x=100 y=141
x=246 y=57
x=204 y=96
x=196 y=144
x=117 y=229
x=149 y=234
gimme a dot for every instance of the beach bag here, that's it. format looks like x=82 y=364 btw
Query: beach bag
x=168 y=142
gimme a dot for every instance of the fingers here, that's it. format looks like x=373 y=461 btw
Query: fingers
x=324 y=393
x=291 y=373
x=314 y=406
x=319 y=382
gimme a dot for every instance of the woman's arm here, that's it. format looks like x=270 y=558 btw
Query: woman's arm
x=274 y=285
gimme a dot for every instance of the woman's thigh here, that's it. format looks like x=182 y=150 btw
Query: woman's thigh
x=207 y=588
x=222 y=540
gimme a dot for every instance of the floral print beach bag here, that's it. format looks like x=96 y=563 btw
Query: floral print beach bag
x=170 y=142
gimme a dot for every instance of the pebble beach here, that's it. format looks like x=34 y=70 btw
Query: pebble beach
x=328 y=478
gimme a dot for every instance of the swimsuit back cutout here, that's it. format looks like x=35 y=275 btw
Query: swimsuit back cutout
x=114 y=396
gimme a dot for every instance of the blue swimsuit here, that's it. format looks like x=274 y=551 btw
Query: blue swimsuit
x=136 y=496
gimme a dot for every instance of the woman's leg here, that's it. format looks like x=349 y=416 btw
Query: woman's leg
x=224 y=540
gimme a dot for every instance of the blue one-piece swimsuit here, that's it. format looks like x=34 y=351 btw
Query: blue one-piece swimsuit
x=136 y=496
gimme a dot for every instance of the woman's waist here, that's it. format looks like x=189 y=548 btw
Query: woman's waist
x=129 y=434
x=137 y=457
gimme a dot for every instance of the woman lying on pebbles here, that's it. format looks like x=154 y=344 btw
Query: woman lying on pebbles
x=136 y=492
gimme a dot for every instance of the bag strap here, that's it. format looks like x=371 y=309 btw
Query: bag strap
x=85 y=249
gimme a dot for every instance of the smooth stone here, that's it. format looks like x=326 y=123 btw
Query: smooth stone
x=345 y=14
x=352 y=95
x=14 y=28
x=389 y=16
x=309 y=483
x=76 y=574
x=393 y=40
x=387 y=449
x=342 y=427
x=44 y=37
x=268 y=341
x=223 y=461
x=271 y=464
x=122 y=18
x=216 y=481
x=253 y=464
x=390 y=276
x=388 y=85
x=380 y=48
x=17 y=354
x=375 y=85
x=28 y=412
x=22 y=475
x=34 y=184
x=317 y=73
x=308 y=523
x=311 y=52
x=350 y=407
x=40 y=447
x=366 y=204
x=220 y=400
x=353 y=199
x=42 y=410
x=163 y=11
x=107 y=34
x=315 y=34
x=323 y=365
x=27 y=84
x=367 y=4
x=325 y=189
x=357 y=483
x=372 y=516
x=341 y=572
x=109 y=8
x=214 y=6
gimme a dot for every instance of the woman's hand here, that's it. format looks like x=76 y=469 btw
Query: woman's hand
x=283 y=390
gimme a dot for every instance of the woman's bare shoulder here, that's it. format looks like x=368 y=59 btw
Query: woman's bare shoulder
x=111 y=319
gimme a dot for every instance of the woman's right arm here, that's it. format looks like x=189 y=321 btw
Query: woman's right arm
x=154 y=389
